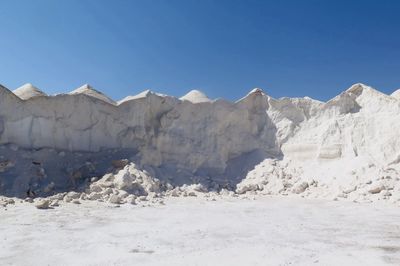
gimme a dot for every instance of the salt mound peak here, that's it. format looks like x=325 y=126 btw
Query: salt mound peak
x=143 y=94
x=28 y=91
x=90 y=91
x=195 y=96
x=256 y=91
x=357 y=88
x=360 y=88
x=396 y=94
x=253 y=93
x=359 y=91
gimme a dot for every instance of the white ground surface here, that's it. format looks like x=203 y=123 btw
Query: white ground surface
x=193 y=231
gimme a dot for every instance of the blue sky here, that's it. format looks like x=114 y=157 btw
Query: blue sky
x=222 y=47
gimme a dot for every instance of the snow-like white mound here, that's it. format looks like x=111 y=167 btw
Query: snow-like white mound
x=90 y=91
x=195 y=96
x=28 y=91
x=143 y=94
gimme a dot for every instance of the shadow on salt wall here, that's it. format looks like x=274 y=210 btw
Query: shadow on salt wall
x=239 y=167
x=44 y=172
x=236 y=168
x=30 y=172
x=212 y=178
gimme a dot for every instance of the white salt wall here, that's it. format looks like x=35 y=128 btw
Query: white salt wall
x=164 y=129
x=359 y=125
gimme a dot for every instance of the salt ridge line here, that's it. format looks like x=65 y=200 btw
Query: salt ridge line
x=27 y=91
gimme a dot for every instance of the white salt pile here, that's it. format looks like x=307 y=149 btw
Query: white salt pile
x=90 y=91
x=195 y=96
x=143 y=94
x=347 y=148
x=28 y=91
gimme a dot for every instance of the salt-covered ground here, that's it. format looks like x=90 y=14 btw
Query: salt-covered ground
x=196 y=231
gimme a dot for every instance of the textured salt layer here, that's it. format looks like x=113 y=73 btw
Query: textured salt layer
x=347 y=146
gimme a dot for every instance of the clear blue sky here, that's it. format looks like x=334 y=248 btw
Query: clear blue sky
x=222 y=47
